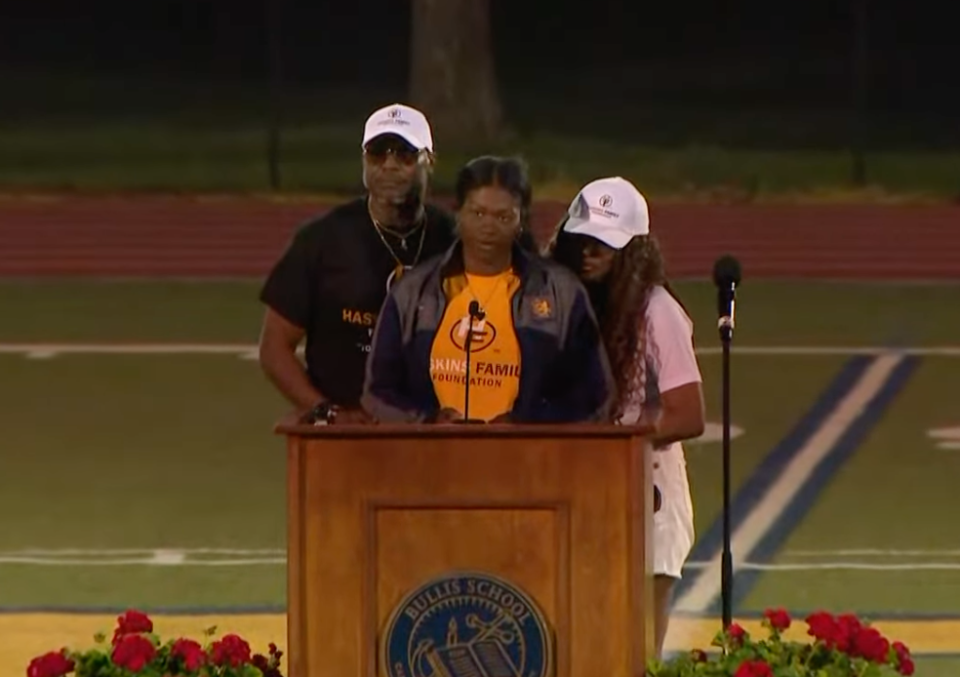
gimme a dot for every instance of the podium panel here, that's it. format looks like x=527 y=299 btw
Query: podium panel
x=427 y=551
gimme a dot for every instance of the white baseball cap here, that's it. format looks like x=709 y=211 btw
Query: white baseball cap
x=404 y=121
x=611 y=210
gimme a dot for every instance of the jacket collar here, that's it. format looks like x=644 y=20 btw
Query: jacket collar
x=452 y=262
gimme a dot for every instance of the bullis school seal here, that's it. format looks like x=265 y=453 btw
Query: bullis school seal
x=467 y=624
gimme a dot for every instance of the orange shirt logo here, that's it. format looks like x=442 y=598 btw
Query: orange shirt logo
x=482 y=335
x=494 y=350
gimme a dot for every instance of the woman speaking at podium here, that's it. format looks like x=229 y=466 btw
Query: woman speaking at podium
x=648 y=335
x=488 y=332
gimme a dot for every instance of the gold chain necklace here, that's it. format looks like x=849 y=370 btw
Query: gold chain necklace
x=423 y=234
x=400 y=236
x=483 y=304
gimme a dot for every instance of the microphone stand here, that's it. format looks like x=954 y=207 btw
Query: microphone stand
x=726 y=275
x=466 y=385
x=475 y=313
x=726 y=562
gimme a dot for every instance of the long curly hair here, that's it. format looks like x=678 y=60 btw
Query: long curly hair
x=620 y=303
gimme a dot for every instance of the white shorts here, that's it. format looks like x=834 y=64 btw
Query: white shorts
x=673 y=532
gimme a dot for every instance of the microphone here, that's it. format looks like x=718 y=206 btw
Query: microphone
x=475 y=314
x=726 y=276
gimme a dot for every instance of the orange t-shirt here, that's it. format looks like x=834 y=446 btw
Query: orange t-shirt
x=494 y=351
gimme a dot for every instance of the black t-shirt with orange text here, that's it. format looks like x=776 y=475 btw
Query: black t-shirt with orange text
x=332 y=281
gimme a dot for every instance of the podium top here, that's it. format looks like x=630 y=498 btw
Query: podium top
x=289 y=426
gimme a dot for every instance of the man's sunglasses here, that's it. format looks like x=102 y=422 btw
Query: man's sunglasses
x=378 y=151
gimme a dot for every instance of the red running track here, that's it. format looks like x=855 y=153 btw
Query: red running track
x=175 y=236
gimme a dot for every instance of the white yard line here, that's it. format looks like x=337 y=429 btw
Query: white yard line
x=110 y=552
x=233 y=557
x=919 y=351
x=165 y=559
x=872 y=552
x=46 y=351
x=858 y=566
x=799 y=470
x=249 y=351
x=179 y=557
x=835 y=566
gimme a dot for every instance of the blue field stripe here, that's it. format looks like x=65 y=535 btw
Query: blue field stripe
x=747 y=497
x=805 y=498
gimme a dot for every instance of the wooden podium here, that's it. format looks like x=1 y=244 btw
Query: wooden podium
x=562 y=514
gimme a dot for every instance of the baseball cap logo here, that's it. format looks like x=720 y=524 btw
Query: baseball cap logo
x=394 y=113
x=605 y=201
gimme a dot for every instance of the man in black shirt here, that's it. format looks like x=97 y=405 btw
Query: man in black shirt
x=330 y=283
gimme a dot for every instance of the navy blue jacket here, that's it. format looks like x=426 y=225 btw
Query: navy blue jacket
x=565 y=374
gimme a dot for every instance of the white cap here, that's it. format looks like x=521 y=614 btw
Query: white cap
x=404 y=121
x=611 y=210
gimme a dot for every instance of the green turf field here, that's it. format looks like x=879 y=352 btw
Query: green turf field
x=908 y=551
x=143 y=471
x=769 y=314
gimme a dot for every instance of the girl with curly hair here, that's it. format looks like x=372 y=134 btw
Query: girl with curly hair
x=605 y=238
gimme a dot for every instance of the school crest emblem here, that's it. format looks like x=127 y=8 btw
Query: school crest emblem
x=467 y=624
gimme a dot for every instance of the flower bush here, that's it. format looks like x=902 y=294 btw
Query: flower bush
x=841 y=646
x=134 y=650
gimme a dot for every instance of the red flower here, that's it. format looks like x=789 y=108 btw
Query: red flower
x=52 y=664
x=699 y=656
x=266 y=666
x=848 y=627
x=133 y=652
x=779 y=619
x=848 y=634
x=753 y=669
x=230 y=650
x=131 y=623
x=901 y=650
x=736 y=633
x=821 y=625
x=870 y=644
x=190 y=652
x=849 y=624
x=828 y=630
x=904 y=661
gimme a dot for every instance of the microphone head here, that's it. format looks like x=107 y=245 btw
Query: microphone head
x=726 y=271
x=474 y=309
